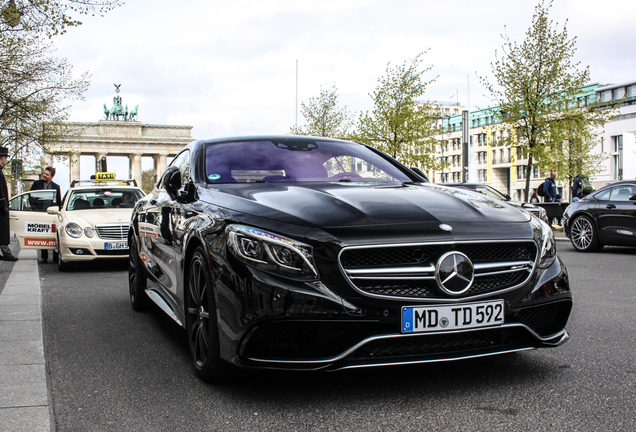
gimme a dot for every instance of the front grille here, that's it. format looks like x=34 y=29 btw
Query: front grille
x=409 y=271
x=113 y=231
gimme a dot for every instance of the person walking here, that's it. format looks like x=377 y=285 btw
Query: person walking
x=550 y=188
x=46 y=182
x=5 y=228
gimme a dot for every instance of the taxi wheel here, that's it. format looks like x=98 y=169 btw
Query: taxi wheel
x=201 y=321
x=61 y=265
x=137 y=280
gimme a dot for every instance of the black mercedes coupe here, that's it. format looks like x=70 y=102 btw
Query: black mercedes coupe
x=604 y=217
x=307 y=253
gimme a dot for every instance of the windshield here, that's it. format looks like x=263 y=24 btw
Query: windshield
x=103 y=198
x=491 y=192
x=295 y=161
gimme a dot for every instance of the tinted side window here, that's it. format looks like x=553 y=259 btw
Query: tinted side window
x=603 y=195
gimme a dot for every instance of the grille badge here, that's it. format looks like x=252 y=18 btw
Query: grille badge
x=454 y=273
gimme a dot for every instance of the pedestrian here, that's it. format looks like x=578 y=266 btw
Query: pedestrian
x=5 y=228
x=46 y=182
x=534 y=198
x=549 y=188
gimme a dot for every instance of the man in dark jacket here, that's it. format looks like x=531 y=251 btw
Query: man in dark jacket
x=549 y=188
x=5 y=227
x=46 y=182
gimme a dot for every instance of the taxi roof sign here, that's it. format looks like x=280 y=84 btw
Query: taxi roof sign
x=105 y=176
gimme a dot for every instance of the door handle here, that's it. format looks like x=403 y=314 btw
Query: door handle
x=14 y=217
x=610 y=206
x=153 y=202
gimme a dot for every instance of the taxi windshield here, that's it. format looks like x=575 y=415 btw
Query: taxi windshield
x=103 y=198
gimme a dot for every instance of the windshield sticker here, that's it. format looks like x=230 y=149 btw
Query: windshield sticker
x=213 y=177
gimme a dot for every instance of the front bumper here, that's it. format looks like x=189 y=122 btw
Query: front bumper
x=286 y=327
x=83 y=249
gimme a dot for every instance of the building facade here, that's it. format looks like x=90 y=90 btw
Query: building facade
x=504 y=166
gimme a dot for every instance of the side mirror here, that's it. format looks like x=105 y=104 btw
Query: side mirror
x=420 y=173
x=53 y=210
x=633 y=197
x=172 y=181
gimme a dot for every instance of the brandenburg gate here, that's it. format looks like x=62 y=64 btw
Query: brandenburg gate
x=120 y=134
x=124 y=138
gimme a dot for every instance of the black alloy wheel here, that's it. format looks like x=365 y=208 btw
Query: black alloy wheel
x=583 y=235
x=201 y=321
x=137 y=279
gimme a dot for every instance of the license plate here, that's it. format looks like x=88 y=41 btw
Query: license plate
x=116 y=245
x=417 y=319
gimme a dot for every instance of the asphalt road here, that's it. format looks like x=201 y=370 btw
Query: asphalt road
x=113 y=369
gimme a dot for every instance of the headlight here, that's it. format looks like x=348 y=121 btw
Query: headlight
x=272 y=253
x=73 y=229
x=88 y=232
x=548 y=246
x=543 y=215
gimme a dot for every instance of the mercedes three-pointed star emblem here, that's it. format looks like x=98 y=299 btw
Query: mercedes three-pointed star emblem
x=454 y=273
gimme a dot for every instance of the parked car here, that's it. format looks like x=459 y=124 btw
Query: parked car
x=31 y=224
x=313 y=253
x=94 y=220
x=605 y=217
x=492 y=192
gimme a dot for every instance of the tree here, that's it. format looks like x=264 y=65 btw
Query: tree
x=33 y=85
x=148 y=180
x=49 y=17
x=323 y=116
x=571 y=150
x=538 y=89
x=399 y=125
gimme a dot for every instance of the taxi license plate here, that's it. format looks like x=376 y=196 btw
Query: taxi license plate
x=417 y=319
x=116 y=245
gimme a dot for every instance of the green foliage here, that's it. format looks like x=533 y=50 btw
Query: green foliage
x=323 y=117
x=19 y=18
x=33 y=86
x=147 y=180
x=538 y=85
x=399 y=125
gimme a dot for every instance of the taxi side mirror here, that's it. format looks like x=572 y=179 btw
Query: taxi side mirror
x=53 y=210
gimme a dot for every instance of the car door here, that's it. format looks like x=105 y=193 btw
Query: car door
x=617 y=218
x=32 y=225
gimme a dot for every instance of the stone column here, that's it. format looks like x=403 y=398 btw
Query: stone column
x=161 y=163
x=75 y=169
x=135 y=167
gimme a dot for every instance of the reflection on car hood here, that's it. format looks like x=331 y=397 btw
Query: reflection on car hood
x=92 y=217
x=331 y=205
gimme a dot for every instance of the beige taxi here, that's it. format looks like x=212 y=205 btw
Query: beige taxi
x=94 y=219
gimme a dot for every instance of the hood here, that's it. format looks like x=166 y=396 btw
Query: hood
x=92 y=217
x=341 y=205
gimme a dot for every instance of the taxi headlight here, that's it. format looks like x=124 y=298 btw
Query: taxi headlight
x=88 y=232
x=272 y=253
x=73 y=230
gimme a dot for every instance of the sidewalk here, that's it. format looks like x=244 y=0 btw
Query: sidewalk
x=24 y=397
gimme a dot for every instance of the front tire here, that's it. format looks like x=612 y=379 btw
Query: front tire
x=584 y=236
x=61 y=265
x=201 y=321
x=137 y=279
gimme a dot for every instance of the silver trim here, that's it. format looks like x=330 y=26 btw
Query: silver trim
x=402 y=273
x=563 y=337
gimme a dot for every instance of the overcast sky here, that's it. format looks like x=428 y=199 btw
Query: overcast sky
x=229 y=68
